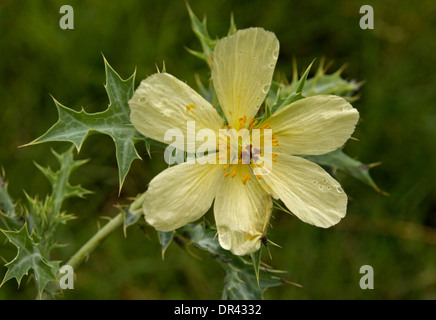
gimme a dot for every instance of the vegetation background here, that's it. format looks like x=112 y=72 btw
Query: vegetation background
x=395 y=234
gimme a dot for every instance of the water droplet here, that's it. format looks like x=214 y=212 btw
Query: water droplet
x=142 y=100
x=271 y=65
x=276 y=54
x=265 y=88
x=339 y=189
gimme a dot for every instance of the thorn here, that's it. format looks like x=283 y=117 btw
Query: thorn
x=375 y=164
x=292 y=283
x=188 y=7
x=274 y=244
x=269 y=252
x=341 y=69
x=134 y=72
x=384 y=193
x=294 y=70
x=360 y=83
x=328 y=65
x=353 y=98
x=321 y=68
x=104 y=58
x=28 y=144
x=310 y=65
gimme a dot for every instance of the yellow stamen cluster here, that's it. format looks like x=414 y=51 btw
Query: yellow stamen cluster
x=232 y=169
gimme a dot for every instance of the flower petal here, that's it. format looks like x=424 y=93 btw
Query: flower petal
x=314 y=125
x=242 y=213
x=307 y=190
x=181 y=194
x=163 y=102
x=242 y=69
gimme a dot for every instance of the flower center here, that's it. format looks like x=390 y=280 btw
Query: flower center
x=248 y=146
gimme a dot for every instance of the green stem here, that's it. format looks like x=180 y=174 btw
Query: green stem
x=103 y=233
x=95 y=241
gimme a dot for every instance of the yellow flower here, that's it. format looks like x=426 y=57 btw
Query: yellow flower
x=242 y=70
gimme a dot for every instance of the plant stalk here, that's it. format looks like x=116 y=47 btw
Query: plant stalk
x=95 y=241
x=103 y=233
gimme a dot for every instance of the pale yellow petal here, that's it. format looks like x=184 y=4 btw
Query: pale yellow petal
x=308 y=191
x=242 y=69
x=314 y=125
x=242 y=214
x=163 y=102
x=181 y=194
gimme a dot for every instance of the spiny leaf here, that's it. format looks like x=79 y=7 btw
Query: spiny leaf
x=61 y=188
x=165 y=239
x=210 y=95
x=207 y=43
x=8 y=213
x=200 y=30
x=74 y=126
x=302 y=81
x=6 y=204
x=282 y=94
x=232 y=28
x=132 y=213
x=333 y=83
x=293 y=95
x=130 y=218
x=242 y=285
x=338 y=160
x=44 y=216
x=240 y=281
x=28 y=257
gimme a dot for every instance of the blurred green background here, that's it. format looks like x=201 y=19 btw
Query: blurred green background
x=395 y=234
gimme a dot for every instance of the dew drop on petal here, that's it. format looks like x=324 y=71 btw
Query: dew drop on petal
x=276 y=54
x=339 y=189
x=265 y=88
